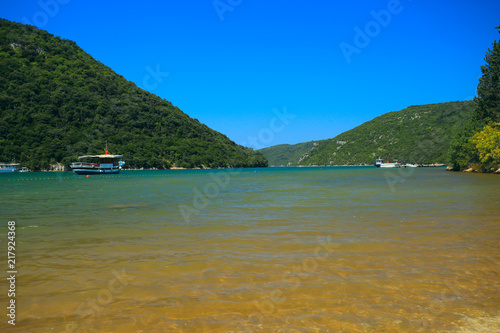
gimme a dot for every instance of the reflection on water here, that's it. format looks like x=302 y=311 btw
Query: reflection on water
x=284 y=249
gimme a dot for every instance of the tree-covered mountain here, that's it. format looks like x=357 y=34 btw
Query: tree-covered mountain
x=418 y=134
x=57 y=102
x=477 y=145
x=286 y=155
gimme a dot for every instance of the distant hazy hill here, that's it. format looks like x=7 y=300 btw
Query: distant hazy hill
x=57 y=102
x=417 y=134
x=285 y=155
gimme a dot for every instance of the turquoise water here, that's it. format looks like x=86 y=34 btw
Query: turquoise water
x=277 y=249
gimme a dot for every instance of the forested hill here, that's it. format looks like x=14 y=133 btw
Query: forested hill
x=57 y=102
x=417 y=134
x=285 y=154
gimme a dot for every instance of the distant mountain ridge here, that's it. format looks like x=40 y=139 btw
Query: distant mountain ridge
x=57 y=102
x=285 y=154
x=418 y=134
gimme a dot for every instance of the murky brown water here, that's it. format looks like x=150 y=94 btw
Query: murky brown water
x=278 y=250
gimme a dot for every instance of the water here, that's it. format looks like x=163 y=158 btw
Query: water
x=277 y=250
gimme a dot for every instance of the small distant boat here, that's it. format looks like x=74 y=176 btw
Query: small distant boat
x=9 y=167
x=380 y=164
x=98 y=164
x=24 y=169
x=410 y=166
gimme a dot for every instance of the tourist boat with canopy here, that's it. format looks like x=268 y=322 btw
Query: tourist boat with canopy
x=9 y=167
x=380 y=164
x=98 y=164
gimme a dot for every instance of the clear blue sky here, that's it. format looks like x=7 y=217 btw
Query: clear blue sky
x=232 y=64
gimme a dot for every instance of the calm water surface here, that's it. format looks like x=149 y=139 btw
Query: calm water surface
x=277 y=250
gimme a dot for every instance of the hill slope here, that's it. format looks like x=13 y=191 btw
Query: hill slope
x=285 y=155
x=417 y=134
x=57 y=102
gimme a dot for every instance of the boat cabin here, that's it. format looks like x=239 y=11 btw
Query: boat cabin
x=9 y=167
x=97 y=164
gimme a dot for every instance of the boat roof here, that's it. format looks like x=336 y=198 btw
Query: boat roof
x=11 y=164
x=101 y=156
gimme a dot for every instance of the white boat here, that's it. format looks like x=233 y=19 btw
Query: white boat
x=391 y=165
x=97 y=164
x=380 y=164
x=9 y=167
x=24 y=169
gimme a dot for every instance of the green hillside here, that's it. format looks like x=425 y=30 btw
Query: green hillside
x=417 y=134
x=57 y=102
x=286 y=155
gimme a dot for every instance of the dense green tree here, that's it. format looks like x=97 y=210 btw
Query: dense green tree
x=488 y=89
x=463 y=151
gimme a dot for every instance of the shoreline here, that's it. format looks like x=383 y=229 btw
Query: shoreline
x=432 y=165
x=141 y=169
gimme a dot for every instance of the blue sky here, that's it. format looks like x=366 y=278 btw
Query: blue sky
x=270 y=72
